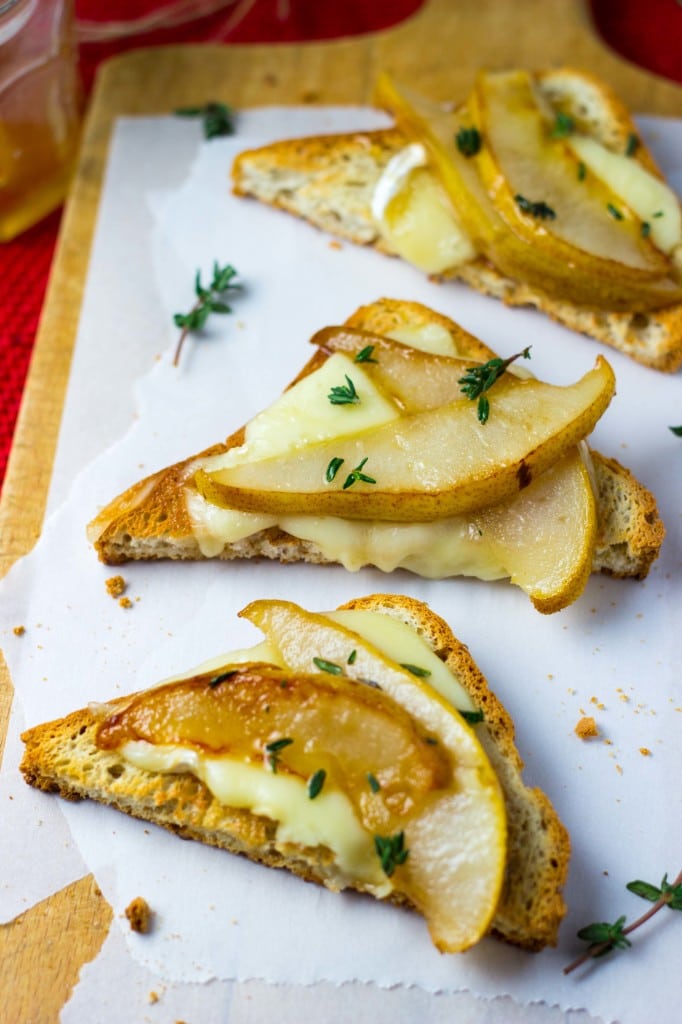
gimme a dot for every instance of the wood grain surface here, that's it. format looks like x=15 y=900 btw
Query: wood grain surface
x=436 y=51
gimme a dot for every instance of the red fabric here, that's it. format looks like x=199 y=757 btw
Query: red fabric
x=648 y=34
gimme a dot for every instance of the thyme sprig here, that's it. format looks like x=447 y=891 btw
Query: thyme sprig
x=357 y=474
x=217 y=118
x=344 y=394
x=209 y=300
x=603 y=937
x=274 y=749
x=479 y=379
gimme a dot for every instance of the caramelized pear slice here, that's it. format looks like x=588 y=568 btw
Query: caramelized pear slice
x=456 y=843
x=511 y=247
x=416 y=380
x=584 y=227
x=427 y=466
x=329 y=723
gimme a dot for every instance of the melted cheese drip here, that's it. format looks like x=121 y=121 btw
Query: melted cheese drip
x=646 y=195
x=329 y=820
x=416 y=217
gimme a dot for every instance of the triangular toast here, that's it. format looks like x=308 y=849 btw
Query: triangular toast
x=63 y=757
x=331 y=180
x=151 y=519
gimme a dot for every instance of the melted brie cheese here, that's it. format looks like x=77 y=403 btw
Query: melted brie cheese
x=399 y=642
x=414 y=214
x=646 y=195
x=329 y=820
x=303 y=415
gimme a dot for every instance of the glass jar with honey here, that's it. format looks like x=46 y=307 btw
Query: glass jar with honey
x=40 y=108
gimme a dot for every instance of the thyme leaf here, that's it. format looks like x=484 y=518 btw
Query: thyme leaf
x=217 y=118
x=614 y=211
x=391 y=852
x=677 y=431
x=217 y=680
x=332 y=469
x=374 y=783
x=315 y=783
x=328 y=666
x=632 y=145
x=274 y=749
x=472 y=717
x=209 y=300
x=479 y=379
x=365 y=355
x=468 y=141
x=416 y=670
x=563 y=125
x=535 y=209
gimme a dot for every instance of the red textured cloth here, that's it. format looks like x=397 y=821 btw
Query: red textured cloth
x=647 y=34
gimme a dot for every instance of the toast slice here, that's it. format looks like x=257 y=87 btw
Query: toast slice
x=331 y=181
x=151 y=520
x=64 y=757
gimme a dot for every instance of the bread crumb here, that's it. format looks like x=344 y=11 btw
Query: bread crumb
x=586 y=728
x=19 y=630
x=139 y=914
x=335 y=245
x=125 y=602
x=645 y=752
x=153 y=997
x=115 y=585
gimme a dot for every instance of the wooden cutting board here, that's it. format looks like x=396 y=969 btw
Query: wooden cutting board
x=436 y=51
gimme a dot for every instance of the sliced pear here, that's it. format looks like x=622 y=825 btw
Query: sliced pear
x=428 y=466
x=591 y=234
x=416 y=380
x=457 y=842
x=518 y=244
x=546 y=536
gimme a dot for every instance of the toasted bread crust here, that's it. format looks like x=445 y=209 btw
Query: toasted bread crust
x=62 y=757
x=330 y=180
x=538 y=846
x=150 y=520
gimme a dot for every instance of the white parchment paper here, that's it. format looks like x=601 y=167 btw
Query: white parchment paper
x=615 y=654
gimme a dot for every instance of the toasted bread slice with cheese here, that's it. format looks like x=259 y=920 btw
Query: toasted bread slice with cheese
x=157 y=517
x=507 y=844
x=332 y=181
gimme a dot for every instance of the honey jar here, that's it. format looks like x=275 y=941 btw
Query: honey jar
x=40 y=110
